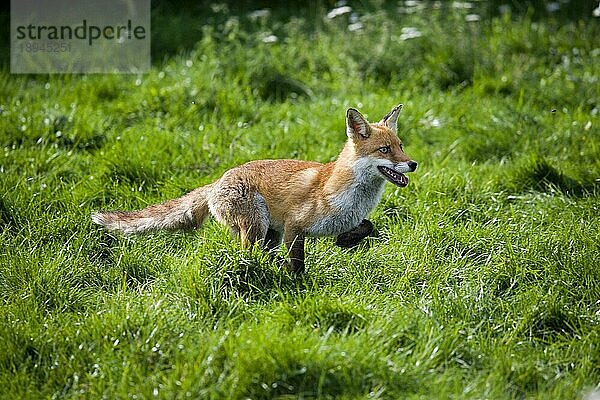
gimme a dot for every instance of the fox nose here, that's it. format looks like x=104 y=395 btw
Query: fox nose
x=412 y=165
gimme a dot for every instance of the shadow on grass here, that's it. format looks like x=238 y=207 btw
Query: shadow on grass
x=549 y=319
x=119 y=262
x=134 y=173
x=326 y=315
x=9 y=217
x=256 y=279
x=538 y=174
x=275 y=86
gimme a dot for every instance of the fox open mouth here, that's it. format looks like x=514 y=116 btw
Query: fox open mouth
x=397 y=178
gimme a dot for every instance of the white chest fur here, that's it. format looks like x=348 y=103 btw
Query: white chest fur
x=354 y=203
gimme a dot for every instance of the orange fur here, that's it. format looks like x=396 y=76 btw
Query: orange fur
x=267 y=200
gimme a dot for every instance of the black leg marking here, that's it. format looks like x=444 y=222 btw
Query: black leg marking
x=297 y=255
x=354 y=236
x=272 y=239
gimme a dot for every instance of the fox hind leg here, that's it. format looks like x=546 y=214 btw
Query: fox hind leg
x=244 y=212
x=251 y=232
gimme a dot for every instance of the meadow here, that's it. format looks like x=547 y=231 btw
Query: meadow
x=481 y=281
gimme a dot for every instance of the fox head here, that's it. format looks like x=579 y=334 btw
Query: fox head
x=378 y=147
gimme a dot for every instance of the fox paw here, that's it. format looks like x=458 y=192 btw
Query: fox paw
x=354 y=236
x=294 y=267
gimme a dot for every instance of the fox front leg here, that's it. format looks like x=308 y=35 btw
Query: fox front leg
x=295 y=246
x=355 y=235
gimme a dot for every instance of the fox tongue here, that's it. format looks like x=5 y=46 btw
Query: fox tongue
x=397 y=178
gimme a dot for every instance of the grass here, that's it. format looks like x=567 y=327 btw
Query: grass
x=482 y=280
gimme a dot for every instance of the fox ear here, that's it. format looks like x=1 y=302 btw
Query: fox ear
x=390 y=118
x=356 y=125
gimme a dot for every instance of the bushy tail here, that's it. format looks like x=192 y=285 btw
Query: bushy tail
x=187 y=211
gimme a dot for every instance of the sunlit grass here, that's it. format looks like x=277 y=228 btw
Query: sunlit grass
x=482 y=280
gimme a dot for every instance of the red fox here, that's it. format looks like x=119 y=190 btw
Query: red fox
x=265 y=201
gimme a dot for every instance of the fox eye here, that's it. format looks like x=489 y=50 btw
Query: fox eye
x=384 y=149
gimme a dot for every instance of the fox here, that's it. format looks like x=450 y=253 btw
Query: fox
x=267 y=202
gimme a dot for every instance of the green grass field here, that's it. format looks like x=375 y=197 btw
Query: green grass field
x=482 y=281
